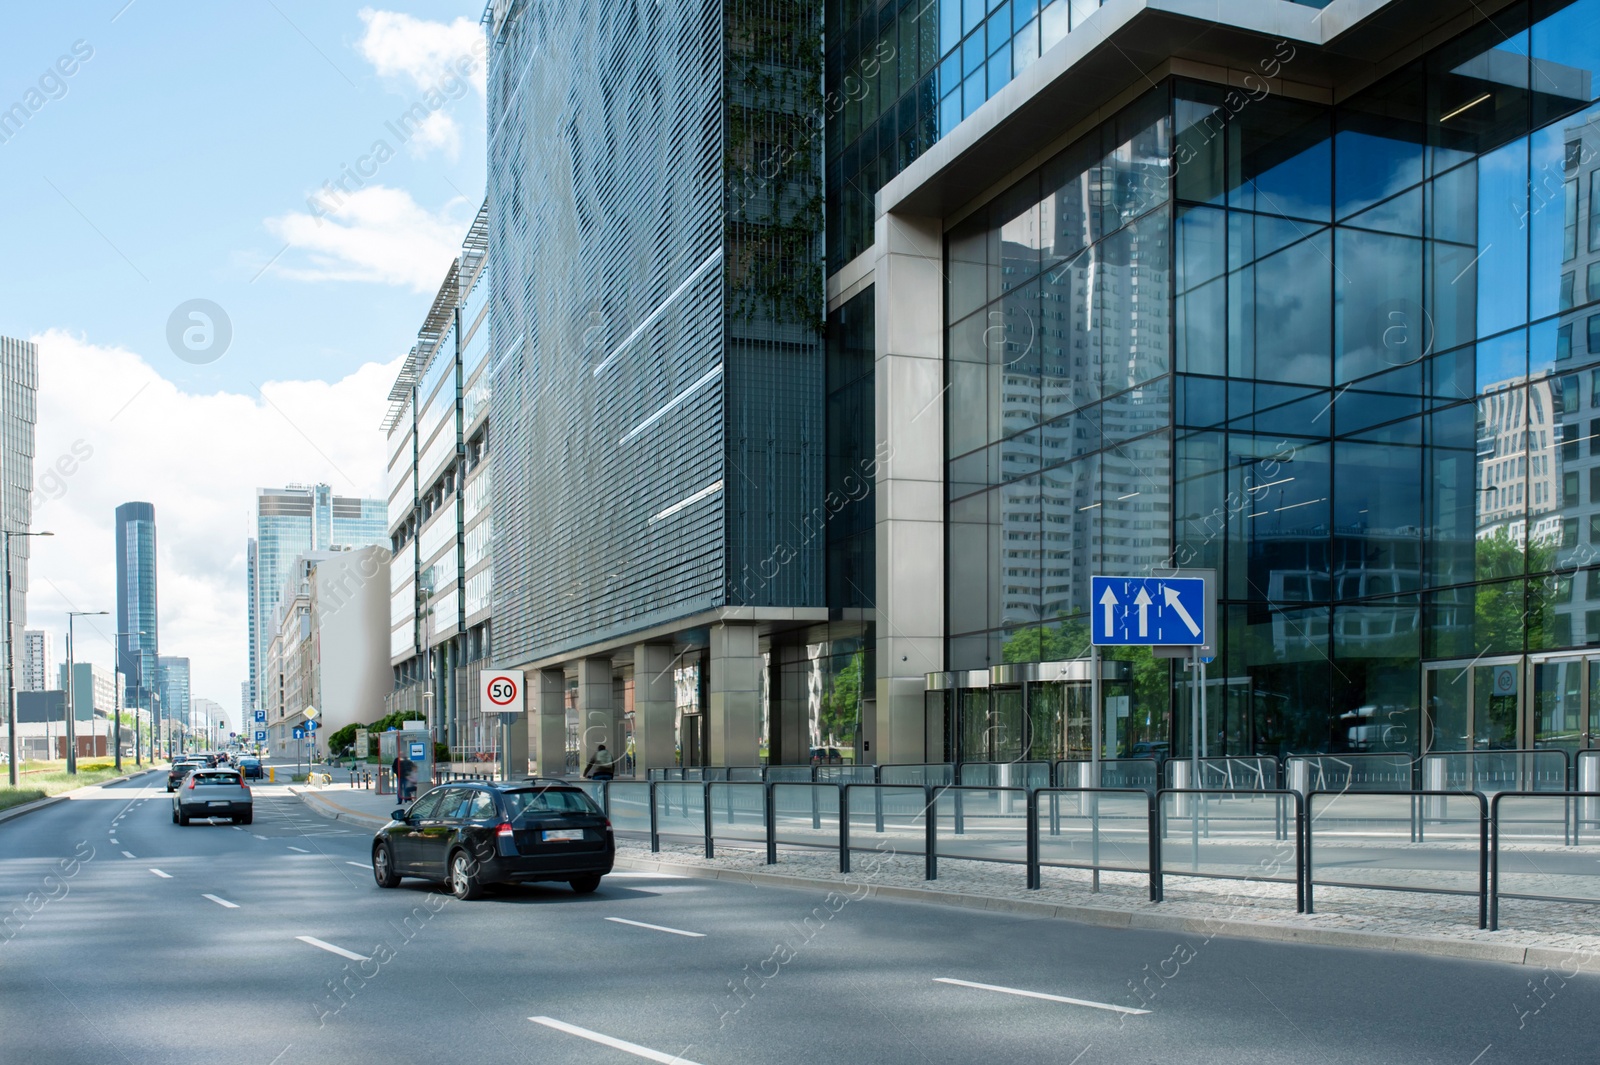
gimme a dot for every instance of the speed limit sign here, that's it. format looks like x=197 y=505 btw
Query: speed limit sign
x=502 y=692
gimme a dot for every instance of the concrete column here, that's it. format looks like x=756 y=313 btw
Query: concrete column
x=789 y=736
x=598 y=712
x=908 y=369
x=733 y=718
x=654 y=708
x=549 y=731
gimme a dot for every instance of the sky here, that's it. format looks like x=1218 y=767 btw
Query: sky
x=255 y=155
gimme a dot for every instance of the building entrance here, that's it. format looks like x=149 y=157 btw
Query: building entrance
x=1513 y=702
x=1031 y=711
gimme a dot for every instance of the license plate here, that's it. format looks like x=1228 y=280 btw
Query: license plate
x=556 y=835
x=219 y=802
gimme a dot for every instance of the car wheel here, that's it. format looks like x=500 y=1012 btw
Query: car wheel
x=174 y=815
x=583 y=885
x=383 y=868
x=247 y=819
x=183 y=819
x=464 y=880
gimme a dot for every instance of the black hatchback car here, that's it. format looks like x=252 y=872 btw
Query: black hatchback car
x=471 y=835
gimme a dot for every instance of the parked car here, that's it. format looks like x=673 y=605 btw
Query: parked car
x=251 y=768
x=181 y=767
x=214 y=793
x=1159 y=752
x=471 y=835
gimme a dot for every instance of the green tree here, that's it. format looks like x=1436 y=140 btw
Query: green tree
x=841 y=704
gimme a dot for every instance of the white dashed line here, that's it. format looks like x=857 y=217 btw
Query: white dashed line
x=1129 y=1010
x=258 y=837
x=302 y=850
x=115 y=843
x=331 y=949
x=127 y=854
x=609 y=1041
x=164 y=876
x=360 y=865
x=224 y=903
x=657 y=927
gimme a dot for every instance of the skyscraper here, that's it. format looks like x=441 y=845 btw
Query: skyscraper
x=138 y=649
x=33 y=674
x=19 y=384
x=173 y=682
x=290 y=522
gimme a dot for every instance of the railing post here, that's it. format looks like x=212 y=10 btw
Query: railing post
x=705 y=815
x=1032 y=837
x=1157 y=819
x=930 y=833
x=1094 y=837
x=772 y=824
x=844 y=828
x=655 y=828
x=960 y=812
x=1302 y=839
x=877 y=808
x=816 y=808
x=1483 y=860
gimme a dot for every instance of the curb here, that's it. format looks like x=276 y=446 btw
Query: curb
x=1431 y=946
x=51 y=800
x=336 y=812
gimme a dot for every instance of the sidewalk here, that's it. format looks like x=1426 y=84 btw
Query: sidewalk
x=1532 y=933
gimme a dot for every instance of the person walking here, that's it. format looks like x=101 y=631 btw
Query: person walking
x=601 y=766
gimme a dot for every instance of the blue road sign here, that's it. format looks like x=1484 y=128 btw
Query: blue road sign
x=261 y=735
x=311 y=726
x=261 y=716
x=1148 y=611
x=299 y=733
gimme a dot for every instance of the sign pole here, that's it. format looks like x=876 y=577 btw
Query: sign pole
x=1096 y=697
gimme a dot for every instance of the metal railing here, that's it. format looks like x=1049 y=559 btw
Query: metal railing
x=1256 y=773
x=1306 y=773
x=1489 y=772
x=1526 y=853
x=1435 y=842
x=1224 y=834
x=1118 y=773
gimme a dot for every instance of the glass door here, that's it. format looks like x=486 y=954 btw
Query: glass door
x=1474 y=705
x=1562 y=691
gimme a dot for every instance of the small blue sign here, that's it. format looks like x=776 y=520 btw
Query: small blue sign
x=261 y=716
x=1148 y=611
x=299 y=733
x=311 y=726
x=261 y=735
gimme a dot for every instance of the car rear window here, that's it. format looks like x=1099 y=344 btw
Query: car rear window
x=548 y=800
x=216 y=778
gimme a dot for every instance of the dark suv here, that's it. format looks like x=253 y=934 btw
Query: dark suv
x=474 y=834
x=181 y=768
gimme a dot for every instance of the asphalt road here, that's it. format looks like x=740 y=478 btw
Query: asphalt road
x=125 y=938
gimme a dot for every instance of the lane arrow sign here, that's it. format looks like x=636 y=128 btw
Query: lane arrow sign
x=1173 y=604
x=1109 y=600
x=1143 y=601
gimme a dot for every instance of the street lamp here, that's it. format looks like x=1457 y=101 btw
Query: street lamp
x=11 y=686
x=116 y=664
x=72 y=692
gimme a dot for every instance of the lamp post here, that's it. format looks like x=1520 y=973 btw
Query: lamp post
x=11 y=685
x=115 y=664
x=72 y=692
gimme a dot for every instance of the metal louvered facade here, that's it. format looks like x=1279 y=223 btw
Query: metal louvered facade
x=656 y=358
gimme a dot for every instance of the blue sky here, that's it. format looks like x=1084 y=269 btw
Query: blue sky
x=179 y=161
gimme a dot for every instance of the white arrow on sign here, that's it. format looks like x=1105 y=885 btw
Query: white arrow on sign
x=1143 y=601
x=1171 y=596
x=1109 y=601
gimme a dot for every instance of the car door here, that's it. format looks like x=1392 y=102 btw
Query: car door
x=435 y=831
x=404 y=836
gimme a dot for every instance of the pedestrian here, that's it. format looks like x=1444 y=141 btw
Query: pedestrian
x=402 y=773
x=601 y=766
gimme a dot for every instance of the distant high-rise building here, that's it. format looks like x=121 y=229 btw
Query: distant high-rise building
x=172 y=675
x=33 y=674
x=290 y=522
x=19 y=383
x=248 y=687
x=138 y=648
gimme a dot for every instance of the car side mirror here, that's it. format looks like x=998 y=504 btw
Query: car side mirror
x=399 y=815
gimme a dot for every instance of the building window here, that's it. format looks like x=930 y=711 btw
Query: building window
x=1569 y=489
x=1569 y=444
x=1569 y=532
x=1566 y=290
x=1564 y=340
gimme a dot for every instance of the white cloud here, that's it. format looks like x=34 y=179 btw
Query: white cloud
x=374 y=234
x=129 y=434
x=438 y=60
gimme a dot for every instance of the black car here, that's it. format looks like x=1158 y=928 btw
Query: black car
x=181 y=768
x=251 y=768
x=471 y=835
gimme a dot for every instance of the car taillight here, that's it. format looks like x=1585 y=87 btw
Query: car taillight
x=608 y=824
x=191 y=783
x=505 y=831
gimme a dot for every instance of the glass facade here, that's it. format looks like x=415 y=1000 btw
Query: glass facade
x=138 y=650
x=1342 y=355
x=903 y=73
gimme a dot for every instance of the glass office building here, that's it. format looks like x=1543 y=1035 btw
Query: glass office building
x=138 y=648
x=1325 y=326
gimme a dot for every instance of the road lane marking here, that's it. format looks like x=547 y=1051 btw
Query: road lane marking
x=609 y=1041
x=258 y=837
x=127 y=854
x=331 y=949
x=164 y=876
x=657 y=927
x=360 y=865
x=302 y=850
x=1129 y=1010
x=224 y=903
x=116 y=842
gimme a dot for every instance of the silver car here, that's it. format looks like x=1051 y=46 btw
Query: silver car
x=209 y=793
